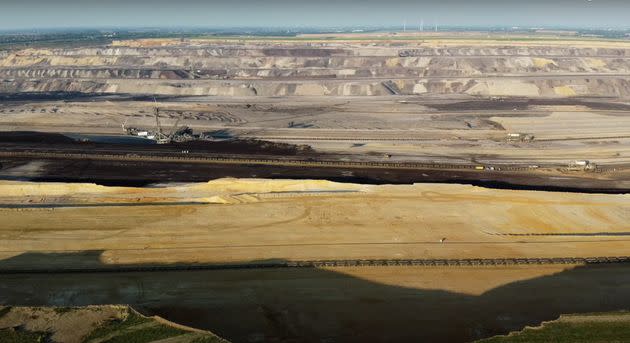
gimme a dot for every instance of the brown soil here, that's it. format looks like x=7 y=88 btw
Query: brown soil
x=510 y=104
x=34 y=137
x=38 y=140
x=144 y=173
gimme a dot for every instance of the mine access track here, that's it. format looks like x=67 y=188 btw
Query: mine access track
x=327 y=264
x=132 y=157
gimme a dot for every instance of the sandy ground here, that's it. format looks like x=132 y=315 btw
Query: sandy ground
x=248 y=220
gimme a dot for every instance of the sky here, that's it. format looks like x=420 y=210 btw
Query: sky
x=34 y=14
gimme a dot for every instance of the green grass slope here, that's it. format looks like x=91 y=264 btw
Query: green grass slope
x=578 y=328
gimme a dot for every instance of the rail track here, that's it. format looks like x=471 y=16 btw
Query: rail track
x=327 y=264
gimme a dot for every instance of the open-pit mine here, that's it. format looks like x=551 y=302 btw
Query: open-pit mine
x=320 y=188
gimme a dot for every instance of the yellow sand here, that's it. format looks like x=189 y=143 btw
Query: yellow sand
x=564 y=90
x=283 y=219
x=542 y=62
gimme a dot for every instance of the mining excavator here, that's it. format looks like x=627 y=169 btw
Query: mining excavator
x=177 y=134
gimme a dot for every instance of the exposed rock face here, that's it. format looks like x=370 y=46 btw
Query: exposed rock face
x=259 y=68
x=91 y=324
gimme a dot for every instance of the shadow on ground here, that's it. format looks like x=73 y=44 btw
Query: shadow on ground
x=322 y=305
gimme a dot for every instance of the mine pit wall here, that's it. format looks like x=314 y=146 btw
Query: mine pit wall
x=234 y=50
x=515 y=51
x=297 y=49
x=309 y=69
x=616 y=87
x=473 y=65
x=263 y=68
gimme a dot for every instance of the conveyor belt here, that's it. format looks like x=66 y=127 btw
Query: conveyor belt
x=251 y=161
x=326 y=264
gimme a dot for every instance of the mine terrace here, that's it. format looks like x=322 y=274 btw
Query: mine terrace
x=359 y=187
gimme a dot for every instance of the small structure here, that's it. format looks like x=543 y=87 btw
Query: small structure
x=519 y=137
x=582 y=165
